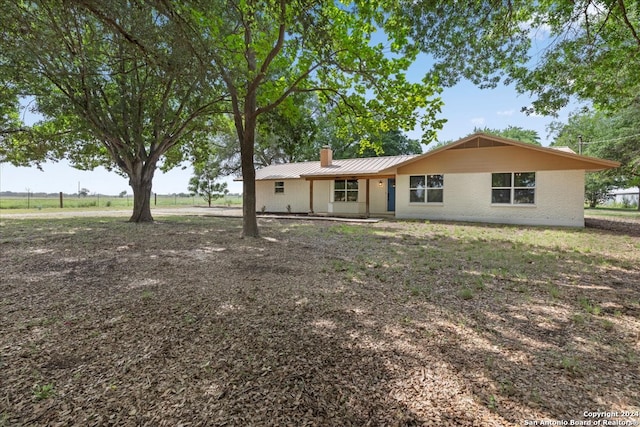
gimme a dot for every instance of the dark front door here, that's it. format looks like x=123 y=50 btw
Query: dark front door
x=391 y=194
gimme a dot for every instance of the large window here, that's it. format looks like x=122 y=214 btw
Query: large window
x=517 y=188
x=279 y=187
x=345 y=190
x=426 y=188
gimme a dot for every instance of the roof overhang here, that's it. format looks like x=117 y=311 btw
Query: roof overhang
x=318 y=177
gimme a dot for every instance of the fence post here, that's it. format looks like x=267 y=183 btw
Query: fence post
x=61 y=205
x=155 y=201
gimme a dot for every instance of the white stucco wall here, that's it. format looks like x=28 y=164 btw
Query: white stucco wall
x=559 y=200
x=322 y=195
x=296 y=195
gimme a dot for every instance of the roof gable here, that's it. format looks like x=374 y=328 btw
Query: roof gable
x=476 y=153
x=487 y=153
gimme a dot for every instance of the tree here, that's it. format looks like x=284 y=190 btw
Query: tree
x=117 y=83
x=610 y=136
x=267 y=51
x=203 y=184
x=10 y=122
x=287 y=134
x=597 y=188
x=389 y=143
x=11 y=126
x=590 y=48
x=513 y=132
x=299 y=138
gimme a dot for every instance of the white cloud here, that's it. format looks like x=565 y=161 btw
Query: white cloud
x=505 y=113
x=539 y=32
x=533 y=113
x=477 y=121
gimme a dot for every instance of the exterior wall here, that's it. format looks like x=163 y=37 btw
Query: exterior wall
x=296 y=195
x=492 y=159
x=559 y=200
x=630 y=195
x=321 y=195
x=377 y=199
x=378 y=196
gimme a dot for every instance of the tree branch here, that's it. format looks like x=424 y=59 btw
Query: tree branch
x=274 y=50
x=627 y=22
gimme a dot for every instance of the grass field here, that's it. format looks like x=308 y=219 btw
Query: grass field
x=321 y=323
x=613 y=212
x=105 y=202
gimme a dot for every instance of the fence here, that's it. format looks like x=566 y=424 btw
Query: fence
x=73 y=201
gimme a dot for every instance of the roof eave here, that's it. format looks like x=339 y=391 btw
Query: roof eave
x=345 y=175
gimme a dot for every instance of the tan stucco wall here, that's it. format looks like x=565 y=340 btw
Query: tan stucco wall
x=467 y=197
x=491 y=159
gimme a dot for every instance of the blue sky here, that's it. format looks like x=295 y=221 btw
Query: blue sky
x=465 y=107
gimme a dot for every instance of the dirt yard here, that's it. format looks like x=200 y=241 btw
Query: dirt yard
x=317 y=323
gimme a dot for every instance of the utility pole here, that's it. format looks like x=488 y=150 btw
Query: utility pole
x=579 y=144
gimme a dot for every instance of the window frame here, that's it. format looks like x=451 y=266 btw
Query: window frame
x=514 y=189
x=277 y=187
x=346 y=190
x=426 y=180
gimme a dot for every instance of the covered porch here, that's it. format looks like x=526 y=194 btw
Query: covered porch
x=354 y=195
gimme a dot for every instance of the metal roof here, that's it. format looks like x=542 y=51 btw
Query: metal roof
x=344 y=167
x=387 y=165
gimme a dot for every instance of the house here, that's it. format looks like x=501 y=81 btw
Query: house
x=625 y=196
x=480 y=178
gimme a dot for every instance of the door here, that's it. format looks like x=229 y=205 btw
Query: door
x=391 y=194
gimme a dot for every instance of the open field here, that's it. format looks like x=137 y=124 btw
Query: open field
x=317 y=323
x=30 y=204
x=613 y=212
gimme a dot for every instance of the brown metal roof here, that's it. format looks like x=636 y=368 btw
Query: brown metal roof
x=345 y=167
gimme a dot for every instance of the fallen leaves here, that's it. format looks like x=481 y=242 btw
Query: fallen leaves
x=312 y=326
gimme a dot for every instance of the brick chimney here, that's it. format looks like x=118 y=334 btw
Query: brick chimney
x=326 y=156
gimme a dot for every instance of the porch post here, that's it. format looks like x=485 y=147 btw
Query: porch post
x=310 y=196
x=367 y=200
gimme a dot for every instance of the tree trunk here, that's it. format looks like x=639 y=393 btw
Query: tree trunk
x=638 y=197
x=249 y=219
x=140 y=180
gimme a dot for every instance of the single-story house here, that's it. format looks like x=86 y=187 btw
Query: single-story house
x=480 y=178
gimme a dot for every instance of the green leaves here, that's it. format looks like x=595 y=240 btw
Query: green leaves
x=610 y=136
x=552 y=50
x=115 y=82
x=514 y=132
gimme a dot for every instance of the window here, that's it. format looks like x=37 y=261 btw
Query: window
x=427 y=188
x=518 y=188
x=279 y=187
x=345 y=190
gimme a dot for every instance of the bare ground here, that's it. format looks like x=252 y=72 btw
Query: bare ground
x=180 y=322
